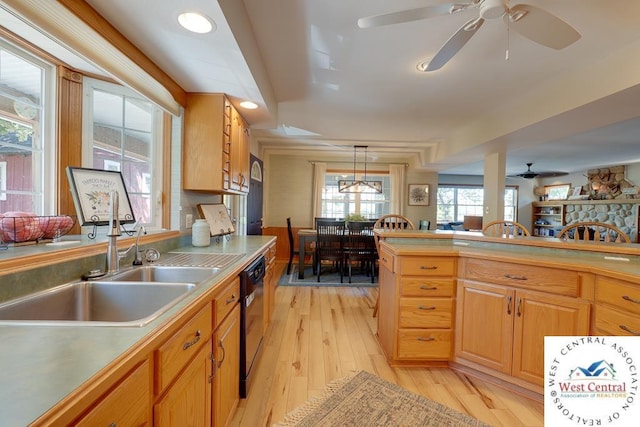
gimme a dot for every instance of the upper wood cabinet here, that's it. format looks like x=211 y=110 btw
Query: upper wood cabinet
x=216 y=148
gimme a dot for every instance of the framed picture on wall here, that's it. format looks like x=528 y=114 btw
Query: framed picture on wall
x=418 y=194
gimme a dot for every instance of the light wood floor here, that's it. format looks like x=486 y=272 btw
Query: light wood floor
x=319 y=334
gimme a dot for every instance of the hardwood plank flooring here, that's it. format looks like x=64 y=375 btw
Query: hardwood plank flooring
x=319 y=334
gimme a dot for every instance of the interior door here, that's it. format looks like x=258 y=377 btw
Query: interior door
x=254 y=198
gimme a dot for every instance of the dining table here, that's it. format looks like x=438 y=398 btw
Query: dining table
x=305 y=236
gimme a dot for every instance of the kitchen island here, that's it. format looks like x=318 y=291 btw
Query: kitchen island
x=55 y=374
x=483 y=305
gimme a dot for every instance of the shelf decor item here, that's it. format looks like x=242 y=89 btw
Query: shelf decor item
x=90 y=189
x=418 y=194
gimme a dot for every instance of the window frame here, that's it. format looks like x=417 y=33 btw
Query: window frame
x=455 y=205
x=334 y=175
x=44 y=191
x=156 y=146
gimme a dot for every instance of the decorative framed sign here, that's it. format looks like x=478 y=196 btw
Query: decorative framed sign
x=218 y=218
x=418 y=194
x=91 y=190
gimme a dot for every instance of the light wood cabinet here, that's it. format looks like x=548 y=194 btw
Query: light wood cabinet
x=270 y=284
x=617 y=307
x=240 y=174
x=178 y=350
x=226 y=382
x=184 y=374
x=127 y=405
x=216 y=146
x=503 y=327
x=188 y=400
x=415 y=316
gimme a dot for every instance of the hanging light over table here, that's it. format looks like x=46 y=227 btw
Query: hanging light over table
x=359 y=186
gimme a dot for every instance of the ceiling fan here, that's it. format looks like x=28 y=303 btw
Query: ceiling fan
x=529 y=174
x=532 y=22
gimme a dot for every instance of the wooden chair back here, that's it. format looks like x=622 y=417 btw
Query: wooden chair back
x=391 y=222
x=505 y=229
x=593 y=231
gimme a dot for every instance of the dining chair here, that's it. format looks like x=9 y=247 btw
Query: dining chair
x=294 y=252
x=593 y=231
x=389 y=222
x=505 y=229
x=329 y=244
x=360 y=247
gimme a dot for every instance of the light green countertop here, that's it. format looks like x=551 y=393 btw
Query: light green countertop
x=40 y=365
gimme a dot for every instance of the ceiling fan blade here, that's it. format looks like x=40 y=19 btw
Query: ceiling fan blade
x=405 y=15
x=541 y=26
x=454 y=44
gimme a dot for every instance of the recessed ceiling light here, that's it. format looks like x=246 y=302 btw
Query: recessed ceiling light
x=196 y=22
x=249 y=105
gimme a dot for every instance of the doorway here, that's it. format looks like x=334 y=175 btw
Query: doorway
x=254 y=198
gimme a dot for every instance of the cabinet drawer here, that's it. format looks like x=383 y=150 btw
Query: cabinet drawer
x=386 y=260
x=426 y=312
x=127 y=404
x=545 y=279
x=174 y=354
x=424 y=344
x=422 y=287
x=227 y=300
x=613 y=322
x=427 y=266
x=619 y=294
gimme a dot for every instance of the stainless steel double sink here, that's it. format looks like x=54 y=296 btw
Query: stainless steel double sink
x=133 y=297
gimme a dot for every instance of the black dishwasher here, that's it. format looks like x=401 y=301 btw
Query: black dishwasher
x=251 y=320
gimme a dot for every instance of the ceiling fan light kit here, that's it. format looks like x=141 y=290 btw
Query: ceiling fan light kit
x=534 y=23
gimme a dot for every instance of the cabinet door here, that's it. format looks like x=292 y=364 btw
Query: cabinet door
x=539 y=315
x=239 y=153
x=188 y=401
x=129 y=404
x=484 y=328
x=226 y=386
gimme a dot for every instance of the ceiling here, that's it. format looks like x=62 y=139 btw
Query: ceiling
x=324 y=85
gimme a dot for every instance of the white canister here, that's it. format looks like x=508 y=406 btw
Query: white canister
x=200 y=233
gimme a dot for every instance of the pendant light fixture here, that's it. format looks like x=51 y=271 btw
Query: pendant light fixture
x=359 y=186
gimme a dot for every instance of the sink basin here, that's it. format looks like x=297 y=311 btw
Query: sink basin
x=95 y=304
x=166 y=274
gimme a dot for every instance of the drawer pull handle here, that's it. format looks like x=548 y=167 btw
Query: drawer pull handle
x=625 y=328
x=193 y=341
x=232 y=299
x=519 y=309
x=428 y=288
x=430 y=267
x=511 y=276
x=426 y=339
x=628 y=298
x=424 y=307
x=224 y=353
x=509 y=304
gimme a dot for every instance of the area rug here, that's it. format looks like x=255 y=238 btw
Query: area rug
x=327 y=278
x=367 y=400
